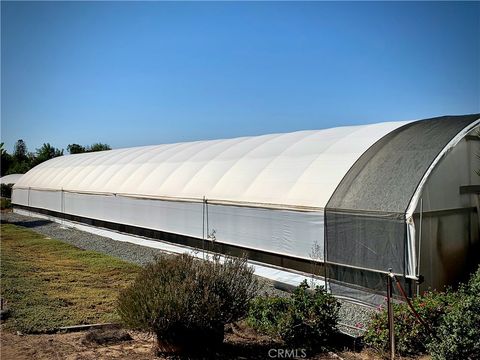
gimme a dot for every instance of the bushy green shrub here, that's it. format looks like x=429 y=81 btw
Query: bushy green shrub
x=411 y=337
x=452 y=316
x=267 y=313
x=458 y=336
x=306 y=319
x=186 y=302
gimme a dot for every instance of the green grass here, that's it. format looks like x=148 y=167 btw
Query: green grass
x=48 y=283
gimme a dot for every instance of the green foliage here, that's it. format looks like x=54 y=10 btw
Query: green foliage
x=312 y=319
x=453 y=317
x=46 y=152
x=6 y=190
x=458 y=336
x=98 y=147
x=20 y=162
x=20 y=151
x=308 y=318
x=267 y=313
x=19 y=167
x=186 y=301
x=411 y=337
x=6 y=160
x=5 y=203
x=76 y=149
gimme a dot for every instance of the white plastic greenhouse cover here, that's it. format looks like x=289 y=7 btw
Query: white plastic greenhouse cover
x=10 y=179
x=292 y=170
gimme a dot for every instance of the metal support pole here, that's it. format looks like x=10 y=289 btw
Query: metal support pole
x=419 y=245
x=203 y=228
x=62 y=207
x=391 y=327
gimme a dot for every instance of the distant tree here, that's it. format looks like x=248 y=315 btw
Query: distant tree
x=46 y=152
x=99 y=147
x=20 y=151
x=76 y=149
x=19 y=167
x=21 y=160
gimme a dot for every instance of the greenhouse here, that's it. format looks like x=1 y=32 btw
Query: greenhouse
x=10 y=179
x=346 y=203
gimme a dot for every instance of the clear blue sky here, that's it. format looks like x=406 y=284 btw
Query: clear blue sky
x=153 y=72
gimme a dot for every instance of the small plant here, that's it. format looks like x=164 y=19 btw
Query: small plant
x=266 y=314
x=307 y=318
x=186 y=302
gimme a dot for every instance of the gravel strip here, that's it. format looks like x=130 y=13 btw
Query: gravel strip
x=137 y=254
x=355 y=316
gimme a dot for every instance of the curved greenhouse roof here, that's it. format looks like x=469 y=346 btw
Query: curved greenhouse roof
x=299 y=169
x=10 y=179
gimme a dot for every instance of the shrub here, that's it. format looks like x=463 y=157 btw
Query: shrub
x=308 y=318
x=6 y=190
x=411 y=337
x=5 y=203
x=458 y=336
x=266 y=314
x=454 y=318
x=186 y=302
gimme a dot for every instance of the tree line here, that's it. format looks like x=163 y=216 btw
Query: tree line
x=21 y=160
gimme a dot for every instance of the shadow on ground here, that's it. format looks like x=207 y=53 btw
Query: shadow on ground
x=27 y=224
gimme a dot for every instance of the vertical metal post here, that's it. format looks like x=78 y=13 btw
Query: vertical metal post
x=391 y=327
x=203 y=228
x=419 y=245
x=62 y=207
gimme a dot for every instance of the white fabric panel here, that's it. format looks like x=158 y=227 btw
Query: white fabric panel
x=51 y=200
x=176 y=217
x=291 y=233
x=10 y=179
x=299 y=169
x=20 y=196
x=412 y=270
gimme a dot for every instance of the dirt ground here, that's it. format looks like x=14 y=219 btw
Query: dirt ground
x=72 y=346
